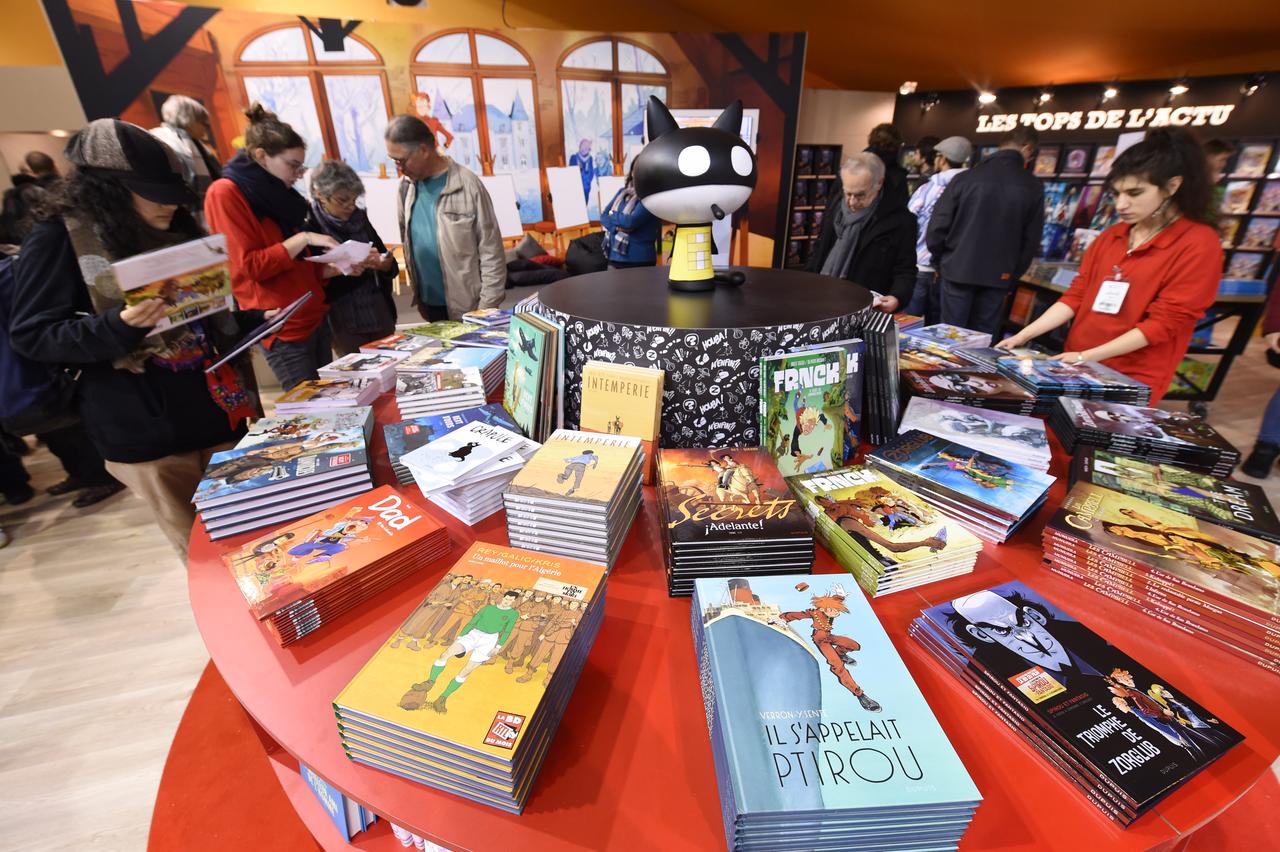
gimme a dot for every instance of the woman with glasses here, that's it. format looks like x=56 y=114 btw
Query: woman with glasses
x=361 y=307
x=263 y=217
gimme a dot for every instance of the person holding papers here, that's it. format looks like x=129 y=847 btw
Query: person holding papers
x=361 y=307
x=1146 y=281
x=144 y=398
x=256 y=206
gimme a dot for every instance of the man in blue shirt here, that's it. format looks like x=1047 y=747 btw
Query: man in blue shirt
x=576 y=467
x=586 y=166
x=452 y=246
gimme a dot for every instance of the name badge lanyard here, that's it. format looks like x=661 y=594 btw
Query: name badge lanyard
x=1111 y=293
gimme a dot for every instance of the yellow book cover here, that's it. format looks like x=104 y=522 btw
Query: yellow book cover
x=618 y=399
x=582 y=469
x=469 y=666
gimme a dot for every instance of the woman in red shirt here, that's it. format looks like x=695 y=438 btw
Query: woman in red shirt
x=255 y=205
x=1147 y=280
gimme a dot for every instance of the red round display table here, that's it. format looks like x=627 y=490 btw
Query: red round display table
x=630 y=767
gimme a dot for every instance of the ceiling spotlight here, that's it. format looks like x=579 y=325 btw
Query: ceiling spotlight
x=1109 y=92
x=1045 y=96
x=1251 y=86
x=1179 y=88
x=985 y=98
x=907 y=88
x=929 y=101
x=61 y=134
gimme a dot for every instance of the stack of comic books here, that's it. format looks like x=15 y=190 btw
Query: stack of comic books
x=489 y=361
x=534 y=367
x=287 y=467
x=488 y=317
x=411 y=434
x=976 y=388
x=1212 y=582
x=438 y=391
x=1240 y=506
x=988 y=494
x=1008 y=436
x=1049 y=379
x=802 y=408
x=622 y=399
x=327 y=395
x=951 y=336
x=465 y=471
x=576 y=496
x=887 y=536
x=398 y=343
x=1122 y=735
x=920 y=354
x=803 y=691
x=348 y=816
x=881 y=390
x=467 y=694
x=308 y=573
x=379 y=367
x=1151 y=434
x=485 y=338
x=727 y=513
x=440 y=331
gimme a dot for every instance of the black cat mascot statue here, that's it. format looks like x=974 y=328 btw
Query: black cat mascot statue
x=691 y=176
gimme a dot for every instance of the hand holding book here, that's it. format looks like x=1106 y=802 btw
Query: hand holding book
x=144 y=314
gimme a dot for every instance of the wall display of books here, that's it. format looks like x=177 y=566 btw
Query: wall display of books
x=1047 y=161
x=812 y=188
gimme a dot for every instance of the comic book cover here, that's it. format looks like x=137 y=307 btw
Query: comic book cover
x=488 y=316
x=1046 y=164
x=243 y=469
x=1105 y=215
x=727 y=495
x=1090 y=195
x=192 y=279
x=1143 y=734
x=888 y=522
x=854 y=380
x=411 y=434
x=289 y=427
x=1269 y=200
x=442 y=330
x=996 y=432
x=1260 y=233
x=1075 y=160
x=404 y=343
x=802 y=402
x=973 y=383
x=1102 y=160
x=951 y=336
x=1239 y=505
x=919 y=354
x=1252 y=162
x=1236 y=197
x=987 y=481
x=526 y=356
x=798 y=673
x=426 y=358
x=1234 y=564
x=618 y=399
x=516 y=608
x=1117 y=418
x=1244 y=264
x=331 y=390
x=294 y=561
x=488 y=338
x=438 y=381
x=1054 y=373
x=579 y=467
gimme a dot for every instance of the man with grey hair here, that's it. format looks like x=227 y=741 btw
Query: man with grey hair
x=868 y=237
x=452 y=246
x=185 y=121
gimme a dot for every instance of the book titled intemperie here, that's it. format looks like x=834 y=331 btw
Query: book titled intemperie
x=619 y=399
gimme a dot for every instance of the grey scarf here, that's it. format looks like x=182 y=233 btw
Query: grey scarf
x=848 y=226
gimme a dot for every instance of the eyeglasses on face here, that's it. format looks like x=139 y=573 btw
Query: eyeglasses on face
x=400 y=161
x=297 y=165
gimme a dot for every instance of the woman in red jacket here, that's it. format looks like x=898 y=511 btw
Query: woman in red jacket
x=1147 y=280
x=255 y=205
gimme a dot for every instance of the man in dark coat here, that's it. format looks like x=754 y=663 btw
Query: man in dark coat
x=867 y=236
x=885 y=142
x=984 y=232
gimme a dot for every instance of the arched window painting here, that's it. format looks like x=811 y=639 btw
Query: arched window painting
x=286 y=67
x=604 y=86
x=455 y=69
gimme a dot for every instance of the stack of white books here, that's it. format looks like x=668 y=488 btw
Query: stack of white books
x=465 y=471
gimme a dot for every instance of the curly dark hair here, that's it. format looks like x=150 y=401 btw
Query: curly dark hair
x=109 y=204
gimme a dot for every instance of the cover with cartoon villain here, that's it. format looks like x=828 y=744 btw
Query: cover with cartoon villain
x=1230 y=563
x=813 y=705
x=1238 y=505
x=989 y=482
x=727 y=495
x=888 y=522
x=290 y=563
x=515 y=609
x=1142 y=733
x=802 y=409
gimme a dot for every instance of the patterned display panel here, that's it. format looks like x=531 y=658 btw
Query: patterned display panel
x=711 y=394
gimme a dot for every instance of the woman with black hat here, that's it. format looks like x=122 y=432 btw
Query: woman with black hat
x=145 y=399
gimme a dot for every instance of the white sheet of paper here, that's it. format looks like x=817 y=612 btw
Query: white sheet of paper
x=502 y=192
x=380 y=198
x=567 y=199
x=1128 y=140
x=607 y=186
x=345 y=256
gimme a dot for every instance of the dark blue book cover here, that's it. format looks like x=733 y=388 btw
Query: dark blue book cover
x=411 y=434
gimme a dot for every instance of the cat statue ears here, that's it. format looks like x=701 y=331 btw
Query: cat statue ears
x=694 y=175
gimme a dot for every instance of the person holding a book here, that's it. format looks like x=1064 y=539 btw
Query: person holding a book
x=361 y=307
x=263 y=217
x=144 y=398
x=1146 y=281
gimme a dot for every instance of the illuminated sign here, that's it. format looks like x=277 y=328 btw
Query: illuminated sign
x=1109 y=119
